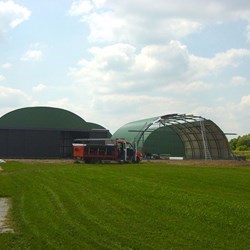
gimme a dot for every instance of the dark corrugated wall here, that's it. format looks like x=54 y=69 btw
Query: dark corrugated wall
x=21 y=143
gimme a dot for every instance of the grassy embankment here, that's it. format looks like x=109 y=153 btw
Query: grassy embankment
x=144 y=206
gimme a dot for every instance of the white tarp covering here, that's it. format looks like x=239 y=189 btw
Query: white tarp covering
x=176 y=158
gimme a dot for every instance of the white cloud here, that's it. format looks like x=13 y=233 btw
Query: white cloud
x=108 y=27
x=224 y=115
x=108 y=24
x=230 y=57
x=127 y=84
x=118 y=68
x=202 y=66
x=39 y=88
x=80 y=7
x=231 y=116
x=239 y=81
x=98 y=3
x=125 y=81
x=6 y=65
x=248 y=32
x=188 y=87
x=245 y=101
x=148 y=22
x=62 y=102
x=2 y=78
x=11 y=15
x=113 y=111
x=32 y=55
x=156 y=58
x=117 y=57
x=10 y=97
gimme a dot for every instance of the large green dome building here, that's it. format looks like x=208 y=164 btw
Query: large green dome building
x=43 y=132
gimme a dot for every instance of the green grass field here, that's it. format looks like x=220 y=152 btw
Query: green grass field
x=112 y=206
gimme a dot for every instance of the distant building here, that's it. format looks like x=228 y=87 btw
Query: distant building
x=187 y=136
x=44 y=132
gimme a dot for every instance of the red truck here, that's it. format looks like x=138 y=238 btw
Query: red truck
x=100 y=150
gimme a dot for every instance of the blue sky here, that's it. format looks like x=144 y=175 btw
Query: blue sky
x=112 y=62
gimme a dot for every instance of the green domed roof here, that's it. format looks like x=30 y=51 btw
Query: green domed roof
x=43 y=118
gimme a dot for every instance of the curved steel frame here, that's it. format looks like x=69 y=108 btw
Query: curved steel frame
x=200 y=141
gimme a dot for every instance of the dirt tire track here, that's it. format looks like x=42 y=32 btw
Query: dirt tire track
x=5 y=204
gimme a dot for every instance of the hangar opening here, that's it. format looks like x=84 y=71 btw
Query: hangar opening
x=44 y=132
x=188 y=136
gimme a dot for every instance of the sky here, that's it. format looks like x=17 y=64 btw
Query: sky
x=112 y=62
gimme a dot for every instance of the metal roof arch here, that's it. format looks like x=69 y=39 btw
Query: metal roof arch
x=198 y=134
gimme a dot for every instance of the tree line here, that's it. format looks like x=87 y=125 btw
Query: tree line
x=242 y=143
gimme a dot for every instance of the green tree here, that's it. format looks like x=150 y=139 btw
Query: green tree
x=233 y=143
x=242 y=143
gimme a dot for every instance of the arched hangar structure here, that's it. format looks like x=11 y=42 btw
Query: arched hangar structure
x=44 y=132
x=188 y=136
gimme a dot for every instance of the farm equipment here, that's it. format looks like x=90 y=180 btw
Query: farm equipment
x=100 y=150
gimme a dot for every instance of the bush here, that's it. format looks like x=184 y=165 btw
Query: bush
x=242 y=143
x=242 y=148
x=246 y=154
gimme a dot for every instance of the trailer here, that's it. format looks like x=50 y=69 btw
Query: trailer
x=101 y=150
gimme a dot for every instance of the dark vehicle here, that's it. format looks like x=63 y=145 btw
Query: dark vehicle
x=100 y=150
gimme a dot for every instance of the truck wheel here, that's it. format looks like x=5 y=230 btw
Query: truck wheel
x=137 y=160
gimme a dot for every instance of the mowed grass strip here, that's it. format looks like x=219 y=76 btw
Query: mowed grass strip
x=112 y=206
